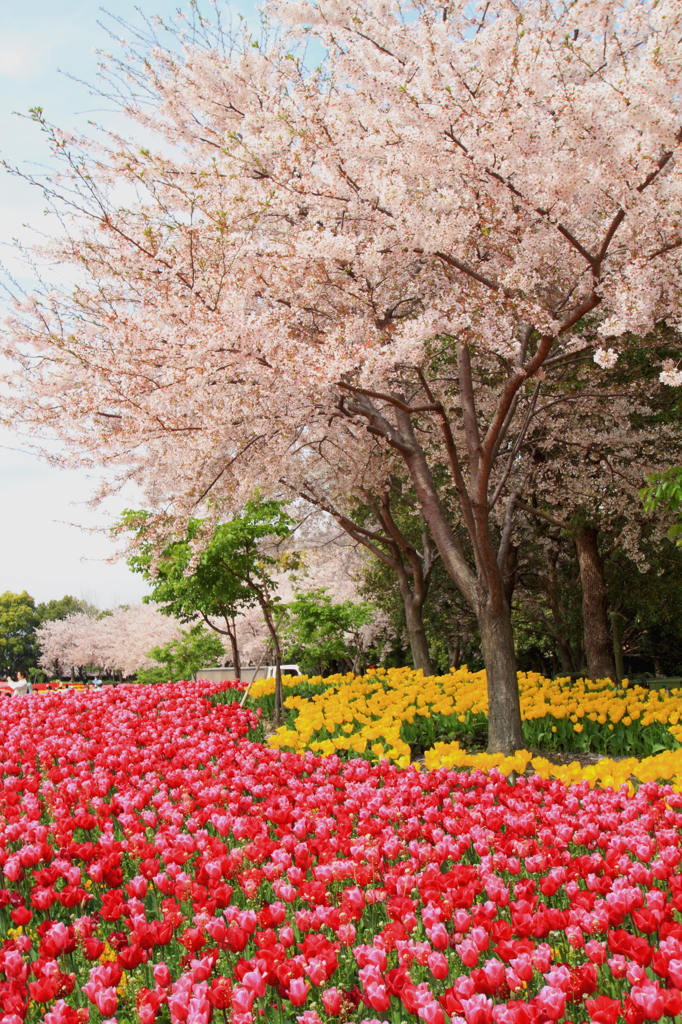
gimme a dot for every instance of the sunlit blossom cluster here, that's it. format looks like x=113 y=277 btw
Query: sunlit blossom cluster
x=363 y=211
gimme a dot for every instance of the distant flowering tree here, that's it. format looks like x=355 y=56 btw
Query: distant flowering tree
x=113 y=643
x=182 y=657
x=411 y=237
x=66 y=644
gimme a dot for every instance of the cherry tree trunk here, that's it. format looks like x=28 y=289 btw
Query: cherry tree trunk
x=416 y=633
x=597 y=637
x=236 y=662
x=505 y=734
x=494 y=615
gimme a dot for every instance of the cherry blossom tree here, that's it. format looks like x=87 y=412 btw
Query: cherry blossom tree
x=66 y=645
x=116 y=642
x=410 y=235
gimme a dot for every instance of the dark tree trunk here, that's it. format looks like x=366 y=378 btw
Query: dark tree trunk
x=454 y=647
x=597 y=637
x=414 y=622
x=272 y=629
x=567 y=658
x=505 y=734
x=236 y=659
x=509 y=569
x=565 y=655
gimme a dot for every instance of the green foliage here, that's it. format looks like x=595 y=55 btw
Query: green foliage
x=533 y=644
x=230 y=572
x=469 y=730
x=59 y=608
x=321 y=635
x=18 y=621
x=664 y=493
x=648 y=601
x=619 y=740
x=549 y=733
x=181 y=658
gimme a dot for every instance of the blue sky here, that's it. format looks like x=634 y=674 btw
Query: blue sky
x=52 y=541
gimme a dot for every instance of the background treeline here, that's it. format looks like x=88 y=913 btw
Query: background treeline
x=325 y=632
x=568 y=583
x=20 y=618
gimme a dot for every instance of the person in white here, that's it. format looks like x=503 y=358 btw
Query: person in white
x=19 y=685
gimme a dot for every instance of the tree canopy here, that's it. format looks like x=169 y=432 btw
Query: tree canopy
x=231 y=571
x=322 y=635
x=20 y=622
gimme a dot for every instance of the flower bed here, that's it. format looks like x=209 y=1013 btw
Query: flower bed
x=393 y=713
x=159 y=865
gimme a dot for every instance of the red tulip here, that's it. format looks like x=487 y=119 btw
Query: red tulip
x=298 y=991
x=604 y=1009
x=106 y=1001
x=331 y=999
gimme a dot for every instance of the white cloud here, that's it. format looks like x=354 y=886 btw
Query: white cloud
x=22 y=56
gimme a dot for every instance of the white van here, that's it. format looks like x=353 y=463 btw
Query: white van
x=224 y=673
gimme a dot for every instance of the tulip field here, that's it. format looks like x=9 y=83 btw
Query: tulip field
x=160 y=861
x=388 y=713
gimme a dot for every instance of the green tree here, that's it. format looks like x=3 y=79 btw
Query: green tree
x=646 y=599
x=664 y=494
x=183 y=657
x=18 y=621
x=234 y=571
x=322 y=636
x=60 y=607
